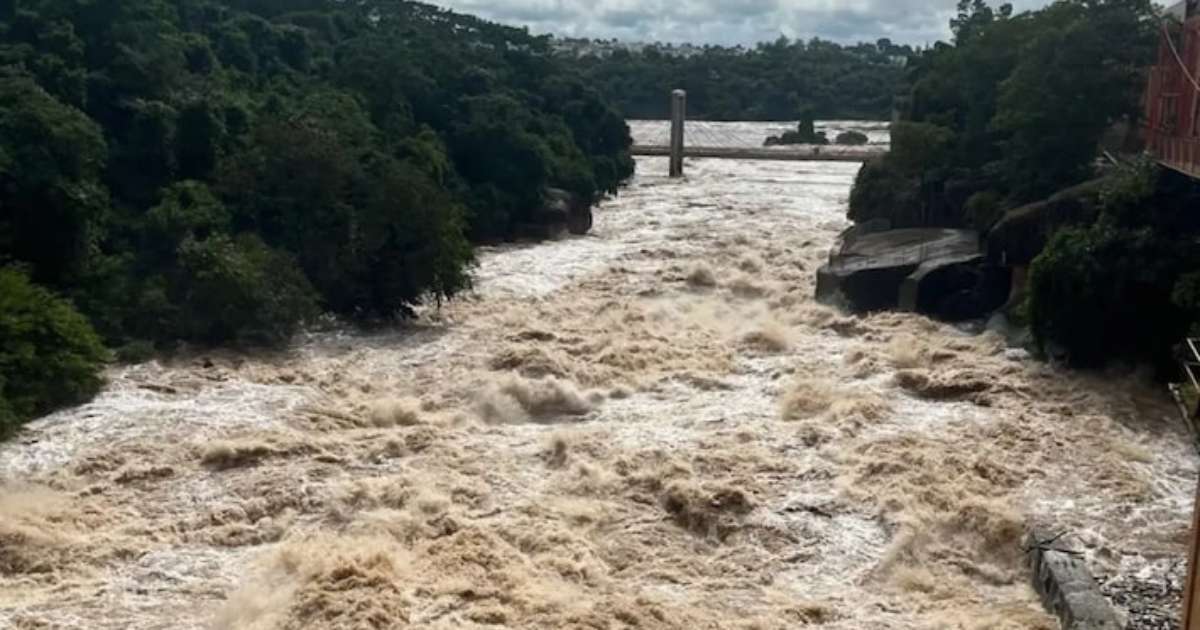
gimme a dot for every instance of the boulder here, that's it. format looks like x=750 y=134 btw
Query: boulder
x=938 y=272
x=1023 y=232
x=561 y=212
x=579 y=221
x=954 y=289
x=568 y=210
x=1066 y=586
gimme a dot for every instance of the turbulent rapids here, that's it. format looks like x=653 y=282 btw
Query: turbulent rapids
x=654 y=426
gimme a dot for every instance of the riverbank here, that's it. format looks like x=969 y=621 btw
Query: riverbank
x=655 y=425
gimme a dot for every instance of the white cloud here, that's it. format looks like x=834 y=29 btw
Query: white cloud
x=727 y=21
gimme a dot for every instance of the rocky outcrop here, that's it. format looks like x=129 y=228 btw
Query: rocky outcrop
x=561 y=212
x=938 y=272
x=884 y=189
x=1023 y=232
x=852 y=138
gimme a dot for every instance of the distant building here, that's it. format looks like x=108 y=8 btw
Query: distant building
x=605 y=48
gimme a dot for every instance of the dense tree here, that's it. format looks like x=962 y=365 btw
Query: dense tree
x=1123 y=286
x=140 y=143
x=53 y=207
x=49 y=355
x=773 y=81
x=1013 y=112
x=215 y=171
x=1015 y=107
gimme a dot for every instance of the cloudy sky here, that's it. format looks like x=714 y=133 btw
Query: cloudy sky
x=727 y=21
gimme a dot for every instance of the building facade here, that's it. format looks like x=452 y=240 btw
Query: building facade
x=1172 y=103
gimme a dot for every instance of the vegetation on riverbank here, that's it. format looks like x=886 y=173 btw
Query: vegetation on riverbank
x=1123 y=285
x=1014 y=110
x=49 y=354
x=217 y=171
x=773 y=81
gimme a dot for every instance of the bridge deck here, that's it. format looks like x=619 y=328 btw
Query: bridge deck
x=806 y=154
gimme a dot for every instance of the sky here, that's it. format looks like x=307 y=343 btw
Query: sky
x=728 y=22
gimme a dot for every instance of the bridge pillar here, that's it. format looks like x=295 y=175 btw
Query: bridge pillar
x=678 y=114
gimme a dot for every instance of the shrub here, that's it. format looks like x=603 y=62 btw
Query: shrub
x=138 y=351
x=1104 y=292
x=49 y=355
x=1124 y=286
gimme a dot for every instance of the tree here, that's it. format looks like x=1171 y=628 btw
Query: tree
x=49 y=356
x=770 y=82
x=218 y=171
x=239 y=290
x=973 y=17
x=1015 y=107
x=53 y=206
x=1077 y=76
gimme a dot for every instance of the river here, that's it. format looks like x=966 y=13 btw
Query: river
x=651 y=426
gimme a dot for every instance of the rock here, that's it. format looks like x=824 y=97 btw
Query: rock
x=1023 y=232
x=579 y=222
x=935 y=271
x=1017 y=337
x=562 y=212
x=795 y=137
x=1152 y=599
x=1066 y=586
x=852 y=138
x=954 y=290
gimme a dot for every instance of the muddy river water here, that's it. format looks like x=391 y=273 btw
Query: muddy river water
x=653 y=426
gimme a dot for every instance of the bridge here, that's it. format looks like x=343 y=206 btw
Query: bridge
x=716 y=140
x=784 y=154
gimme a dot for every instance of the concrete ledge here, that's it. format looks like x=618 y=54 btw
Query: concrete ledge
x=785 y=155
x=1066 y=586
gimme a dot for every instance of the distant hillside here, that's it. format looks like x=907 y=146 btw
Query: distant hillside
x=773 y=81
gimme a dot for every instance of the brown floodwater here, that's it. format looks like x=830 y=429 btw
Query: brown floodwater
x=652 y=426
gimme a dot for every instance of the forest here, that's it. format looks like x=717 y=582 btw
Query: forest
x=222 y=171
x=1000 y=131
x=773 y=81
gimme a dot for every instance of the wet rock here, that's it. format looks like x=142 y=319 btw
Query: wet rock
x=934 y=271
x=580 y=220
x=1150 y=602
x=1022 y=233
x=1015 y=335
x=1066 y=586
x=562 y=212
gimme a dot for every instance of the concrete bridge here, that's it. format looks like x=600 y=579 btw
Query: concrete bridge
x=785 y=154
x=711 y=140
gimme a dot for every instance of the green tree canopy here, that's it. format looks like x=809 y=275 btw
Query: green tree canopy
x=1019 y=103
x=158 y=158
x=49 y=355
